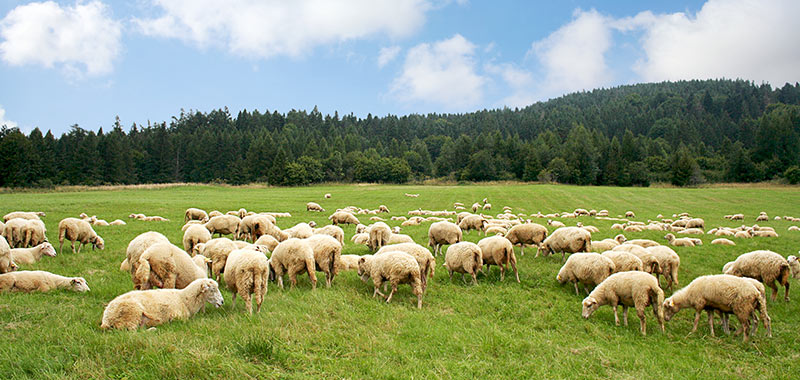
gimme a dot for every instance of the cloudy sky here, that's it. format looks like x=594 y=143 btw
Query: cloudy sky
x=86 y=61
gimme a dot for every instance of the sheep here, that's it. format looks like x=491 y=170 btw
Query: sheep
x=379 y=234
x=723 y=241
x=14 y=232
x=399 y=239
x=395 y=266
x=526 y=234
x=630 y=214
x=23 y=215
x=223 y=225
x=764 y=266
x=495 y=230
x=586 y=268
x=299 y=231
x=137 y=246
x=464 y=257
x=555 y=223
x=101 y=223
x=441 y=233
x=247 y=274
x=426 y=261
x=32 y=255
x=74 y=229
x=608 y=244
x=293 y=256
x=473 y=222
x=691 y=231
x=217 y=250
x=195 y=234
x=383 y=208
x=154 y=307
x=312 y=206
x=719 y=292
x=649 y=262
x=333 y=231
x=791 y=228
x=327 y=254
x=166 y=266
x=644 y=243
x=475 y=207
x=766 y=233
x=412 y=195
x=617 y=226
x=762 y=218
x=32 y=233
x=497 y=250
x=195 y=214
x=637 y=289
x=155 y=219
x=117 y=222
x=668 y=264
x=487 y=206
x=362 y=238
x=37 y=280
x=566 y=240
x=682 y=242
x=343 y=217
x=214 y=213
x=349 y=262
x=624 y=261
x=327 y=195
x=252 y=227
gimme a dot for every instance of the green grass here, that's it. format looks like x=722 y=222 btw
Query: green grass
x=493 y=330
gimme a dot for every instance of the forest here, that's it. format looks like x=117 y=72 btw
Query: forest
x=685 y=133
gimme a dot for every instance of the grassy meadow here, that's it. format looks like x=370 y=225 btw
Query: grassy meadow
x=492 y=330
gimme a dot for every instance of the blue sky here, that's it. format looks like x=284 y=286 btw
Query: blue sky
x=84 y=62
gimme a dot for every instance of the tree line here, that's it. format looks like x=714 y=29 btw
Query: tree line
x=686 y=133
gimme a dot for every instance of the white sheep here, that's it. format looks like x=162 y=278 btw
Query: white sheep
x=247 y=274
x=464 y=257
x=165 y=265
x=396 y=267
x=74 y=229
x=637 y=289
x=668 y=264
x=217 y=250
x=313 y=206
x=195 y=214
x=644 y=243
x=608 y=244
x=6 y=263
x=765 y=266
x=32 y=255
x=530 y=234
x=348 y=263
x=343 y=217
x=426 y=261
x=299 y=231
x=379 y=234
x=23 y=215
x=630 y=214
x=267 y=241
x=252 y=227
x=194 y=235
x=590 y=269
x=682 y=242
x=37 y=280
x=497 y=250
x=624 y=261
x=441 y=233
x=293 y=256
x=223 y=225
x=566 y=240
x=154 y=307
x=137 y=246
x=473 y=222
x=723 y=241
x=331 y=230
x=327 y=254
x=649 y=262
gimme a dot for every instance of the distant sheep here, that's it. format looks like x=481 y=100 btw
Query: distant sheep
x=74 y=229
x=195 y=214
x=343 y=217
x=637 y=289
x=312 y=206
x=223 y=225
x=723 y=241
x=682 y=242
x=473 y=222
x=41 y=281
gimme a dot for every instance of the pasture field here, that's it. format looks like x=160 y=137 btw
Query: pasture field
x=492 y=330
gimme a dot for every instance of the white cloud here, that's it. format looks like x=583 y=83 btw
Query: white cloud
x=80 y=39
x=442 y=73
x=572 y=57
x=748 y=39
x=265 y=28
x=519 y=81
x=3 y=121
x=387 y=54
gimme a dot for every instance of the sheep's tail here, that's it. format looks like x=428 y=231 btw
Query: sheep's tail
x=62 y=231
x=310 y=266
x=587 y=245
x=478 y=258
x=142 y=275
x=332 y=267
x=786 y=272
x=674 y=272
x=431 y=268
x=125 y=266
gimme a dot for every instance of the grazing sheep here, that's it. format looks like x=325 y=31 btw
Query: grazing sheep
x=117 y=222
x=31 y=232
x=383 y=208
x=464 y=257
x=590 y=269
x=166 y=266
x=154 y=307
x=395 y=266
x=566 y=240
x=327 y=254
x=37 y=280
x=331 y=230
x=637 y=289
x=23 y=215
x=196 y=233
x=791 y=228
x=247 y=274
x=497 y=250
x=441 y=233
x=32 y=255
x=762 y=218
x=312 y=206
x=252 y=227
x=644 y=243
x=475 y=207
x=668 y=264
x=327 y=195
x=137 y=246
x=379 y=234
x=267 y=241
x=362 y=238
x=214 y=213
x=495 y=230
x=649 y=262
x=426 y=261
x=293 y=256
x=555 y=223
x=473 y=222
x=682 y=242
x=723 y=241
x=74 y=229
x=217 y=250
x=343 y=217
x=764 y=266
x=728 y=294
x=349 y=262
x=624 y=261
x=487 y=206
x=223 y=225
x=608 y=244
x=299 y=231
x=195 y=214
x=526 y=234
x=399 y=239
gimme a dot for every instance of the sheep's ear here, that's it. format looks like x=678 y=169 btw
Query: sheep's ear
x=73 y=281
x=362 y=260
x=671 y=303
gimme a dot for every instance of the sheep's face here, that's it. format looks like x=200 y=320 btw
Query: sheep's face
x=211 y=292
x=589 y=306
x=99 y=243
x=48 y=249
x=79 y=284
x=6 y=265
x=363 y=269
x=544 y=250
x=199 y=248
x=669 y=309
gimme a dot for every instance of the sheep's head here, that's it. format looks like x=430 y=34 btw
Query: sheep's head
x=7 y=265
x=198 y=248
x=544 y=249
x=79 y=284
x=210 y=290
x=669 y=237
x=620 y=238
x=589 y=306
x=98 y=243
x=670 y=308
x=363 y=268
x=48 y=249
x=312 y=224
x=728 y=268
x=560 y=279
x=40 y=213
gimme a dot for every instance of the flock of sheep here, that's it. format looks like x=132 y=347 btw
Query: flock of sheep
x=172 y=282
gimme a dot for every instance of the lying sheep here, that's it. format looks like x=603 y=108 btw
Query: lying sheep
x=637 y=289
x=531 y=234
x=362 y=238
x=327 y=195
x=441 y=233
x=331 y=230
x=74 y=229
x=313 y=206
x=682 y=242
x=379 y=234
x=396 y=267
x=495 y=230
x=154 y=307
x=195 y=214
x=37 y=280
x=137 y=246
x=223 y=225
x=555 y=223
x=247 y=274
x=327 y=254
x=343 y=217
x=726 y=293
x=766 y=233
x=649 y=262
x=566 y=240
x=464 y=257
x=293 y=256
x=764 y=266
x=195 y=234
x=624 y=261
x=117 y=222
x=668 y=264
x=723 y=241
x=608 y=244
x=644 y=243
x=590 y=269
x=166 y=266
x=630 y=214
x=426 y=261
x=497 y=250
x=27 y=256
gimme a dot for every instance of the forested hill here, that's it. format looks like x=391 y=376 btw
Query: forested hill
x=681 y=132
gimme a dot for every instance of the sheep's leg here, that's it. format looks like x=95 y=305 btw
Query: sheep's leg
x=745 y=322
x=586 y=289
x=786 y=296
x=616 y=316
x=292 y=280
x=474 y=279
x=516 y=273
x=61 y=246
x=378 y=290
x=233 y=301
x=710 y=321
x=522 y=250
x=394 y=289
x=248 y=302
x=696 y=319
x=280 y=280
x=450 y=274
x=80 y=246
x=463 y=279
x=576 y=288
x=502 y=272
x=563 y=256
x=642 y=320
x=625 y=314
x=72 y=244
x=774 y=290
x=725 y=327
